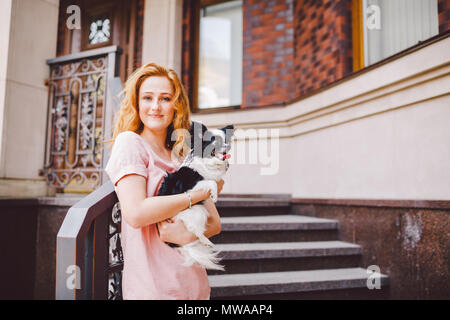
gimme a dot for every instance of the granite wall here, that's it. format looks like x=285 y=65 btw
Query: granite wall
x=410 y=244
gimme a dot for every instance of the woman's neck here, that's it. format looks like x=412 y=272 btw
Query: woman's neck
x=156 y=139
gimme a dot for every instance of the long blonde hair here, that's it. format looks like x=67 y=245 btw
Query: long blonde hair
x=128 y=116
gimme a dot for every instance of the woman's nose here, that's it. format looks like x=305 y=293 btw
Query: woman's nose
x=155 y=104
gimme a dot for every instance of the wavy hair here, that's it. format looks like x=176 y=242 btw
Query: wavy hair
x=128 y=118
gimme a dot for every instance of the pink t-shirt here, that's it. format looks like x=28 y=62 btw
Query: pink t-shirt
x=152 y=269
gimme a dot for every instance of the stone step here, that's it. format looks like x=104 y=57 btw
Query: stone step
x=277 y=222
x=287 y=256
x=249 y=206
x=276 y=228
x=292 y=284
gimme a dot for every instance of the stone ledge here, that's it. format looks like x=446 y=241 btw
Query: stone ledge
x=66 y=201
x=277 y=222
x=290 y=281
x=252 y=202
x=239 y=251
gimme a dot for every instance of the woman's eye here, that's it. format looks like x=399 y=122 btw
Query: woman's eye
x=166 y=99
x=147 y=98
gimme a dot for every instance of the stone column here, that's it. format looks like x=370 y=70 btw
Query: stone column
x=162 y=36
x=28 y=36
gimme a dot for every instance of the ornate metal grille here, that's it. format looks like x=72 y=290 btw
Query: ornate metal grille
x=76 y=124
x=115 y=255
x=99 y=31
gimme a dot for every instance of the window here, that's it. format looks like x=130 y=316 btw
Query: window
x=97 y=26
x=99 y=31
x=390 y=26
x=220 y=55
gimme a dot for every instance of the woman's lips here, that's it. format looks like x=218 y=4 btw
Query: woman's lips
x=156 y=116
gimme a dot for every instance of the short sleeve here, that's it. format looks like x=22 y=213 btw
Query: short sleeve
x=128 y=156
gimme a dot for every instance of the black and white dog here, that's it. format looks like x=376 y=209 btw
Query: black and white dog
x=206 y=163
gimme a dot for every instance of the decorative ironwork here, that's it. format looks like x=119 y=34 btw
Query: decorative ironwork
x=99 y=31
x=115 y=255
x=77 y=105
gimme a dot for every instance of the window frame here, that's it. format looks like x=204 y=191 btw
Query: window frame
x=358 y=35
x=359 y=38
x=196 y=61
x=90 y=13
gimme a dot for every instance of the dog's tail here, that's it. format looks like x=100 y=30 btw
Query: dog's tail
x=206 y=256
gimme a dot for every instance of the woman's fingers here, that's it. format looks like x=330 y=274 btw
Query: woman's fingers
x=175 y=232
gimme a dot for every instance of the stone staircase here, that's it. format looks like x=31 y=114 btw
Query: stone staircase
x=270 y=253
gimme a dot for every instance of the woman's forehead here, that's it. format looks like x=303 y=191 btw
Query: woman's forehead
x=156 y=85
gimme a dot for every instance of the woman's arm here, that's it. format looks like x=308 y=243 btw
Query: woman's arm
x=176 y=232
x=139 y=211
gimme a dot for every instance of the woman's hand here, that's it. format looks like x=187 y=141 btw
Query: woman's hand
x=201 y=194
x=175 y=232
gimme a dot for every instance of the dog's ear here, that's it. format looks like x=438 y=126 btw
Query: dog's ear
x=229 y=131
x=229 y=127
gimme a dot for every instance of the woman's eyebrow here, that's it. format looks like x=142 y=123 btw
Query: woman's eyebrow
x=153 y=92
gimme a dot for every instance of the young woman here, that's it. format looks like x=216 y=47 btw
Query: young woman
x=155 y=104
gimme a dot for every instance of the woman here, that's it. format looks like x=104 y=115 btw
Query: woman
x=154 y=105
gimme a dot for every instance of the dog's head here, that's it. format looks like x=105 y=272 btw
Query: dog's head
x=210 y=147
x=209 y=143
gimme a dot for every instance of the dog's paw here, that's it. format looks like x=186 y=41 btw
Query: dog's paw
x=208 y=185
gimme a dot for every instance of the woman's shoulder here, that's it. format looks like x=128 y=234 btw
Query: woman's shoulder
x=128 y=156
x=129 y=140
x=128 y=135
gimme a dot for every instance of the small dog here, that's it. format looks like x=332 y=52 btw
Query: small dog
x=205 y=164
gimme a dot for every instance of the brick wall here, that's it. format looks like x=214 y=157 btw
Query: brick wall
x=444 y=15
x=268 y=52
x=323 y=32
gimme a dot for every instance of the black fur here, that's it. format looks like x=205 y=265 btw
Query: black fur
x=180 y=181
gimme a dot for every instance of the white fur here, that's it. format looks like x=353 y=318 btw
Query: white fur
x=209 y=168
x=195 y=252
x=202 y=251
x=208 y=185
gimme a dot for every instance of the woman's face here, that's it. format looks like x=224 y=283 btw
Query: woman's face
x=156 y=108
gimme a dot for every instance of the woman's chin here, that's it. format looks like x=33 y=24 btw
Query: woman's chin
x=155 y=125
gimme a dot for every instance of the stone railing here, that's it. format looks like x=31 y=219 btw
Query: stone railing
x=89 y=257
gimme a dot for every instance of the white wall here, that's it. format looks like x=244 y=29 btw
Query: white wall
x=162 y=34
x=384 y=134
x=5 y=27
x=29 y=41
